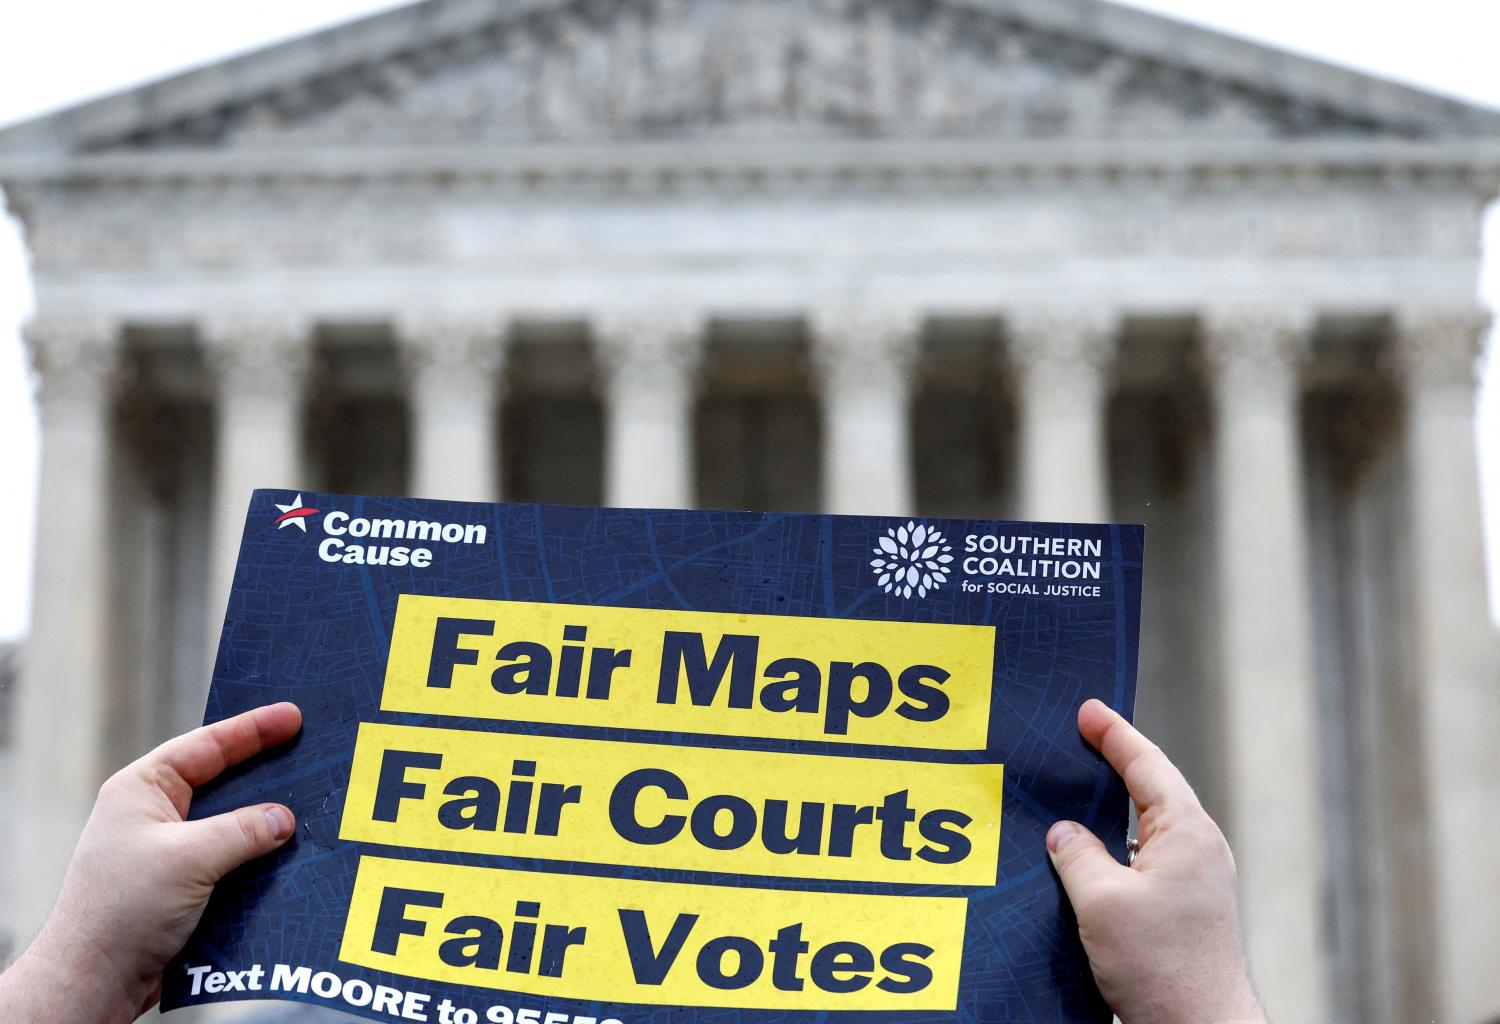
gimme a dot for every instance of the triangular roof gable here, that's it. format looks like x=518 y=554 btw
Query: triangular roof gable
x=338 y=69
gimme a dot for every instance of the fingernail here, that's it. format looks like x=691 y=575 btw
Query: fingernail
x=1060 y=835
x=281 y=822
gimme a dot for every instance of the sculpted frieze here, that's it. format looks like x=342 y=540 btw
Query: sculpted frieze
x=213 y=226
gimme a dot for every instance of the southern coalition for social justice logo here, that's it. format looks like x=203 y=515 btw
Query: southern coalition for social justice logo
x=294 y=514
x=914 y=557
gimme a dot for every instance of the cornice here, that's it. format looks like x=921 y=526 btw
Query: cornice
x=652 y=167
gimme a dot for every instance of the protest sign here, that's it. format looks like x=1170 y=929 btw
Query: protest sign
x=577 y=766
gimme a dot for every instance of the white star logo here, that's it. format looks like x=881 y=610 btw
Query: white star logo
x=294 y=514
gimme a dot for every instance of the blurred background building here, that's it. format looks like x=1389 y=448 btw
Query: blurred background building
x=991 y=258
x=10 y=671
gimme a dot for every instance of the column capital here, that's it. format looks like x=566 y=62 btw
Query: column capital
x=1441 y=345
x=258 y=352
x=861 y=346
x=641 y=350
x=1052 y=337
x=462 y=345
x=75 y=355
x=1248 y=345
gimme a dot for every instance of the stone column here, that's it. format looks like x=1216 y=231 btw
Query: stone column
x=864 y=360
x=1457 y=655
x=1060 y=358
x=260 y=363
x=454 y=365
x=1269 y=699
x=649 y=364
x=60 y=720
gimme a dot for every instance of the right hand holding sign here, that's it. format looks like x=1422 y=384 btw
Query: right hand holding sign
x=1162 y=935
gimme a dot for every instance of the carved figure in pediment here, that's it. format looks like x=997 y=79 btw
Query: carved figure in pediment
x=260 y=121
x=1092 y=98
x=559 y=101
x=675 y=67
x=628 y=83
x=988 y=85
x=591 y=65
x=497 y=104
x=1035 y=97
x=1233 y=115
x=828 y=80
x=930 y=86
x=1154 y=103
x=881 y=50
x=750 y=62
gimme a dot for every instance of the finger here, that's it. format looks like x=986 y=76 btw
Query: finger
x=1080 y=858
x=1152 y=779
x=224 y=842
x=199 y=756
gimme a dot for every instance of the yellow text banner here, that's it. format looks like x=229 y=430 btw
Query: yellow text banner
x=906 y=684
x=655 y=805
x=660 y=943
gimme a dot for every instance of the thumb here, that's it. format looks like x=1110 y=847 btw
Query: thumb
x=225 y=841
x=1080 y=858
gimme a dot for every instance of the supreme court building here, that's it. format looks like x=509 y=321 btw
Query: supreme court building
x=1049 y=259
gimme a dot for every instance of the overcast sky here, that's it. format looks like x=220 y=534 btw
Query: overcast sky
x=61 y=51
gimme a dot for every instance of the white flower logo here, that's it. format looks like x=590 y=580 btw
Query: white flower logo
x=912 y=557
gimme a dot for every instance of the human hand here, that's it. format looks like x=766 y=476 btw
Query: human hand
x=142 y=874
x=1163 y=935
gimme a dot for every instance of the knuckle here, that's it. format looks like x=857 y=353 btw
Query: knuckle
x=1144 y=763
x=1211 y=837
x=113 y=786
x=1212 y=848
x=159 y=776
x=1226 y=858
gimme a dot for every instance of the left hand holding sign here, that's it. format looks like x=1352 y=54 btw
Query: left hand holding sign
x=142 y=874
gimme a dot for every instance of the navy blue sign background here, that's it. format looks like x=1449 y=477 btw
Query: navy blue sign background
x=299 y=628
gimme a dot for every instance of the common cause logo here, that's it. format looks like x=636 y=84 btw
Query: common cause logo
x=294 y=513
x=914 y=557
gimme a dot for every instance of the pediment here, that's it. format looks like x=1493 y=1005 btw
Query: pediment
x=772 y=68
x=456 y=71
